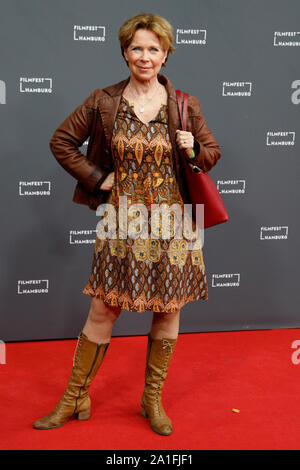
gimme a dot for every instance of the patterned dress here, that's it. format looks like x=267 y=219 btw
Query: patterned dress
x=139 y=273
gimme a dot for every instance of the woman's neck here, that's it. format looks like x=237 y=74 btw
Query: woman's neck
x=145 y=87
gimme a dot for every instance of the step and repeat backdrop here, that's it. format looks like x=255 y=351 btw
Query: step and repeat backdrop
x=241 y=60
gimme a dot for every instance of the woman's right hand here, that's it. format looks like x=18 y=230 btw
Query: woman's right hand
x=108 y=182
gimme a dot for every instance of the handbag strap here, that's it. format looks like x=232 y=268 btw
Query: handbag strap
x=182 y=106
x=182 y=113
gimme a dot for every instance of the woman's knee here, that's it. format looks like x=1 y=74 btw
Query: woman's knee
x=166 y=316
x=101 y=312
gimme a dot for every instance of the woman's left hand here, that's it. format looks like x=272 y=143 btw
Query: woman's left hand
x=184 y=139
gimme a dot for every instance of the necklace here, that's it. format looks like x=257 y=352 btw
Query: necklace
x=142 y=107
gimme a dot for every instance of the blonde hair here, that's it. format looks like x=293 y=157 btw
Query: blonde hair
x=160 y=26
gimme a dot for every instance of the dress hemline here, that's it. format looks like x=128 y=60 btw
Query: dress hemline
x=140 y=305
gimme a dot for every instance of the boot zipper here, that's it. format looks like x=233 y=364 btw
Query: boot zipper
x=90 y=371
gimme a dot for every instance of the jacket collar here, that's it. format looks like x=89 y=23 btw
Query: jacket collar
x=118 y=88
x=108 y=108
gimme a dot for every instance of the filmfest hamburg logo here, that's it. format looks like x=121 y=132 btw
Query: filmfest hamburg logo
x=191 y=36
x=35 y=85
x=274 y=233
x=33 y=286
x=82 y=237
x=285 y=138
x=89 y=33
x=237 y=89
x=34 y=188
x=286 y=38
x=226 y=280
x=231 y=186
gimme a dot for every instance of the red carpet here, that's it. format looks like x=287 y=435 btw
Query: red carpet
x=210 y=374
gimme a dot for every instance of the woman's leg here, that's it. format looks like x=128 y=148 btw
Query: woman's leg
x=162 y=340
x=91 y=348
x=100 y=321
x=165 y=325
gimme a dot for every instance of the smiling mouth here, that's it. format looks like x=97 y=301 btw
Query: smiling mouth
x=144 y=68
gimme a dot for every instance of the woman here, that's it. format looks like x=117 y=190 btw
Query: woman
x=134 y=137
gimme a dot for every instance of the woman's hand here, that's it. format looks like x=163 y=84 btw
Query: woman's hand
x=184 y=139
x=108 y=182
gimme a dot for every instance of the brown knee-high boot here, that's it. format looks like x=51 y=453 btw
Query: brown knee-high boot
x=75 y=400
x=159 y=354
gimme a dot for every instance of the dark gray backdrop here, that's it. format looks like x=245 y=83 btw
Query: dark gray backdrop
x=253 y=280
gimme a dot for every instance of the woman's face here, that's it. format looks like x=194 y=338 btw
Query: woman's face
x=145 y=55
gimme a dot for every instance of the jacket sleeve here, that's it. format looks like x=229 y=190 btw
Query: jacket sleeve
x=206 y=148
x=66 y=140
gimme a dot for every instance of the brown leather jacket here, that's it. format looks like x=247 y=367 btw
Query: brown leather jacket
x=95 y=117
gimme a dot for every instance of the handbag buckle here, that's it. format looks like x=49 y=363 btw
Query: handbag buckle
x=195 y=168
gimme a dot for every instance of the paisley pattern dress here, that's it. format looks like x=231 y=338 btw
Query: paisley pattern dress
x=152 y=272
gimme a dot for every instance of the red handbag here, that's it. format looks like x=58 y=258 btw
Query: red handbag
x=202 y=189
